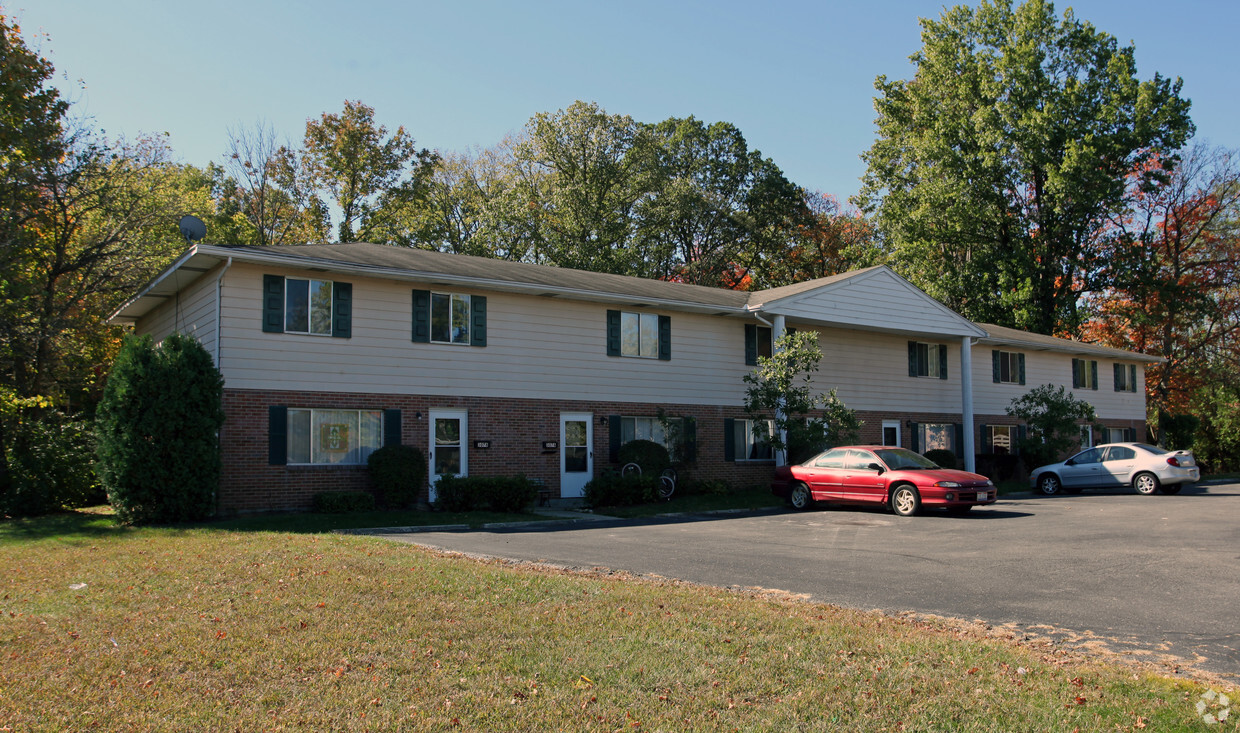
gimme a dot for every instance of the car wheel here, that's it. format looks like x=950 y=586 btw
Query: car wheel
x=800 y=498
x=905 y=500
x=1048 y=483
x=1145 y=483
x=1173 y=489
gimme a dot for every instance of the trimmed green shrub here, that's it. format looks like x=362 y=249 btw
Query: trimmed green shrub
x=343 y=502
x=456 y=494
x=511 y=494
x=612 y=489
x=51 y=461
x=945 y=458
x=398 y=472
x=158 y=431
x=651 y=456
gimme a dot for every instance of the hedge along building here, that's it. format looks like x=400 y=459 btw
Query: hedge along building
x=494 y=367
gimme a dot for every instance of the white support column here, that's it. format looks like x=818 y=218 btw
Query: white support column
x=781 y=457
x=966 y=402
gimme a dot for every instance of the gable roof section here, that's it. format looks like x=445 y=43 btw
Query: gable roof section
x=1002 y=336
x=873 y=299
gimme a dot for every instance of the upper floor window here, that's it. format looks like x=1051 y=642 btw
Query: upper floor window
x=1008 y=367
x=927 y=360
x=641 y=335
x=1084 y=374
x=307 y=305
x=449 y=318
x=1125 y=377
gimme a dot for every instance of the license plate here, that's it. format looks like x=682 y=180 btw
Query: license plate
x=983 y=495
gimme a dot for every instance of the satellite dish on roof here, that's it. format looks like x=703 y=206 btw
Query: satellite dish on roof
x=192 y=228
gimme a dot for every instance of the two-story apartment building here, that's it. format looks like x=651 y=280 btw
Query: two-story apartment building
x=494 y=367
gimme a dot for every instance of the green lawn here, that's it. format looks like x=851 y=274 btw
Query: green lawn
x=112 y=628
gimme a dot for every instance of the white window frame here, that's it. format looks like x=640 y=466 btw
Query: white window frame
x=924 y=429
x=1088 y=367
x=1127 y=371
x=454 y=328
x=746 y=442
x=931 y=359
x=311 y=290
x=639 y=335
x=356 y=450
x=1009 y=360
x=1010 y=439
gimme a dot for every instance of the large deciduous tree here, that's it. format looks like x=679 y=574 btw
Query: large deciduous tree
x=367 y=172
x=1174 y=283
x=1000 y=163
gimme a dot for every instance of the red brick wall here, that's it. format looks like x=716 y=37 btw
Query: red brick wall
x=516 y=429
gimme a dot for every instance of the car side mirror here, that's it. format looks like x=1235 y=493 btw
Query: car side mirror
x=875 y=467
x=1069 y=462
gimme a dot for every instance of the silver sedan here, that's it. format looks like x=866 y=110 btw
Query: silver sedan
x=1146 y=468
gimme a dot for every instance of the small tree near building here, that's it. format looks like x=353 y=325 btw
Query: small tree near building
x=782 y=386
x=1054 y=418
x=157 y=428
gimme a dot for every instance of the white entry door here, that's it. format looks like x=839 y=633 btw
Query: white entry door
x=449 y=433
x=891 y=432
x=576 y=453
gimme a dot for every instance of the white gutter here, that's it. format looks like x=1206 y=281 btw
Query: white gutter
x=219 y=309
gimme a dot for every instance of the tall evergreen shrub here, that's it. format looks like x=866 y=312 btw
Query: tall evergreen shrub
x=157 y=428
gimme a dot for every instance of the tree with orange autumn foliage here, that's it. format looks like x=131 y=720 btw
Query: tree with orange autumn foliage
x=831 y=240
x=1173 y=268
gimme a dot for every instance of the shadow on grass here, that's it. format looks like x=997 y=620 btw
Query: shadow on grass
x=83 y=524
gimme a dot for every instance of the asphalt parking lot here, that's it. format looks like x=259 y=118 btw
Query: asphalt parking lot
x=1149 y=577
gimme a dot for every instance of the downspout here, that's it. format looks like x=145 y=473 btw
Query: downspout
x=219 y=309
x=966 y=402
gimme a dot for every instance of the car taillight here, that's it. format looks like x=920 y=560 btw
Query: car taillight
x=1173 y=461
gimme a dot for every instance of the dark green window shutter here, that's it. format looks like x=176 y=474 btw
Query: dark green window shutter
x=613 y=333
x=1132 y=377
x=912 y=358
x=1118 y=373
x=342 y=310
x=277 y=435
x=984 y=443
x=613 y=438
x=689 y=438
x=391 y=427
x=996 y=370
x=665 y=338
x=959 y=440
x=422 y=316
x=751 y=344
x=1020 y=367
x=942 y=361
x=729 y=439
x=477 y=320
x=273 y=304
x=1130 y=435
x=1093 y=373
x=914 y=431
x=1077 y=373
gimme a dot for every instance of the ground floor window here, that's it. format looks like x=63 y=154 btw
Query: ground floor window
x=1002 y=439
x=752 y=439
x=652 y=429
x=938 y=436
x=344 y=437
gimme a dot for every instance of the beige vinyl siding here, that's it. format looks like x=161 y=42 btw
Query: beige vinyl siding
x=869 y=371
x=1052 y=367
x=192 y=313
x=536 y=348
x=879 y=299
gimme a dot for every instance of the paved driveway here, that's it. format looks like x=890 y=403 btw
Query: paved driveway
x=1146 y=575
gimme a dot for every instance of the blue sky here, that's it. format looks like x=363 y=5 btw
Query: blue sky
x=795 y=77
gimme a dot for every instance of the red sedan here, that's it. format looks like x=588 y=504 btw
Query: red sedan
x=881 y=476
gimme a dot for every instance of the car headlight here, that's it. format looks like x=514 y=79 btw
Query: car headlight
x=948 y=484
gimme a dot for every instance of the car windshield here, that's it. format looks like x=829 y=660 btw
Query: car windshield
x=902 y=459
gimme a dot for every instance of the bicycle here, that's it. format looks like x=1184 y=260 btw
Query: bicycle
x=667 y=479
